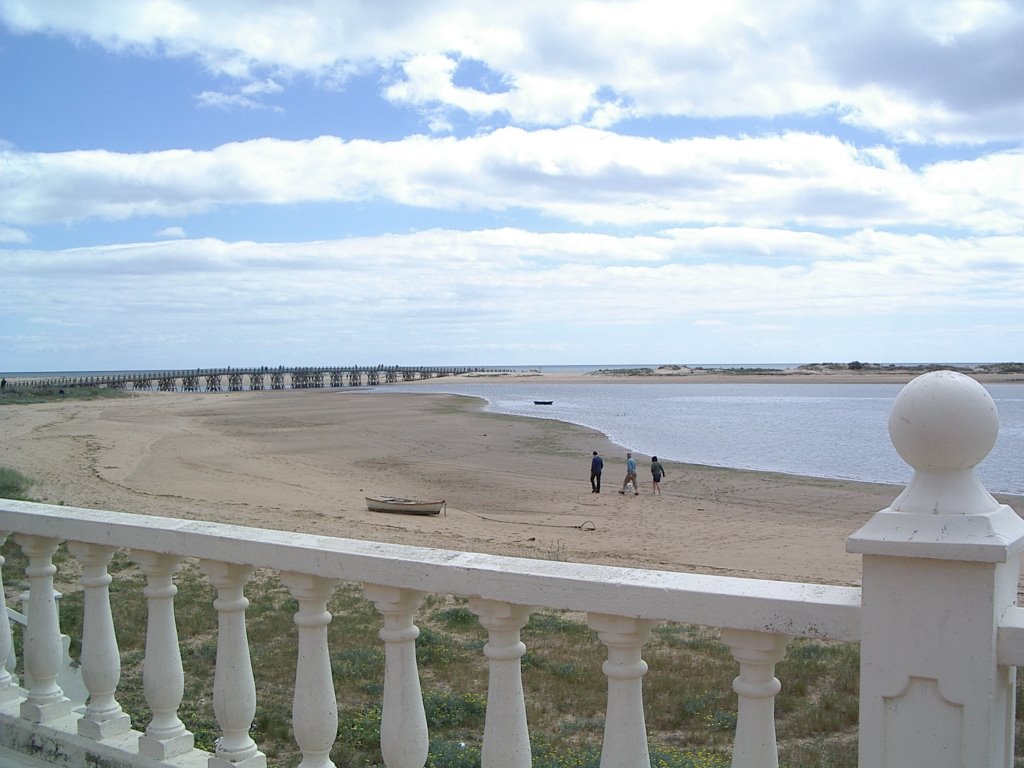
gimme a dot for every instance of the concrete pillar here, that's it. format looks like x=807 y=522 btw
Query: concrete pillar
x=234 y=687
x=43 y=652
x=506 y=734
x=756 y=688
x=940 y=567
x=163 y=679
x=625 y=729
x=8 y=683
x=404 y=740
x=101 y=661
x=315 y=704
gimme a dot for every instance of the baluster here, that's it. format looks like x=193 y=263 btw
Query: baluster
x=756 y=686
x=403 y=725
x=8 y=683
x=43 y=650
x=315 y=706
x=101 y=661
x=506 y=733
x=234 y=689
x=163 y=679
x=625 y=730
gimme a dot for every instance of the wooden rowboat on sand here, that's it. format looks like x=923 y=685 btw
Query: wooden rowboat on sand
x=404 y=506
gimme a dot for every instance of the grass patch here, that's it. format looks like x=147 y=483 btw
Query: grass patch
x=13 y=484
x=11 y=395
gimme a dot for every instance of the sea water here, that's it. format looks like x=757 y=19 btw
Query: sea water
x=828 y=430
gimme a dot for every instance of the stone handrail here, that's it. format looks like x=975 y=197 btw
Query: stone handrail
x=936 y=619
x=621 y=605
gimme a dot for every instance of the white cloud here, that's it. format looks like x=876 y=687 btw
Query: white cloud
x=171 y=233
x=497 y=288
x=12 y=235
x=945 y=71
x=575 y=174
x=694 y=269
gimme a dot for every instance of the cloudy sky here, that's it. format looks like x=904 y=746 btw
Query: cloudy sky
x=186 y=183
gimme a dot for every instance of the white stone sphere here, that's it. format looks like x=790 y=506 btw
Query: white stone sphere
x=943 y=421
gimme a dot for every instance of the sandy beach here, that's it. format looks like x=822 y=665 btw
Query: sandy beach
x=304 y=460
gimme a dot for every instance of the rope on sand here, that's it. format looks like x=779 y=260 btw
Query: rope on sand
x=586 y=525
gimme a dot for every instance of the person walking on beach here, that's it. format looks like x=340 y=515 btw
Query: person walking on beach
x=630 y=475
x=596 y=467
x=657 y=472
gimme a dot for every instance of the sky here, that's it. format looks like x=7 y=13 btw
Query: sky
x=186 y=183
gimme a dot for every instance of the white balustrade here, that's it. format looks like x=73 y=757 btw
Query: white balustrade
x=163 y=679
x=404 y=740
x=8 y=683
x=939 y=630
x=757 y=687
x=101 y=661
x=625 y=729
x=506 y=735
x=234 y=688
x=315 y=704
x=43 y=650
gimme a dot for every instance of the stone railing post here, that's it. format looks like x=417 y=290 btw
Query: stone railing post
x=315 y=705
x=625 y=729
x=940 y=567
x=404 y=740
x=756 y=686
x=43 y=650
x=8 y=683
x=506 y=734
x=234 y=687
x=101 y=662
x=163 y=679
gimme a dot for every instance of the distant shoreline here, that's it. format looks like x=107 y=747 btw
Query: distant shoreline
x=854 y=372
x=816 y=372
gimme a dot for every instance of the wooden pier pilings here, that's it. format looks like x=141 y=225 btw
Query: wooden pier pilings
x=240 y=379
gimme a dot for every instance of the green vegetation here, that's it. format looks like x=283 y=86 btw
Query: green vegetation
x=11 y=395
x=623 y=372
x=13 y=484
x=857 y=365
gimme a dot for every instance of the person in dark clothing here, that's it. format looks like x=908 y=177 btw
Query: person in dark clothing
x=657 y=472
x=596 y=467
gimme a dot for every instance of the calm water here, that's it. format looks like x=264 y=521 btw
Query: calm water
x=821 y=430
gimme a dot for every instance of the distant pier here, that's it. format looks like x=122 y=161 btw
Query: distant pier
x=241 y=379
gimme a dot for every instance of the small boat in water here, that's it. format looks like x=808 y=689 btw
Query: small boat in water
x=404 y=506
x=543 y=402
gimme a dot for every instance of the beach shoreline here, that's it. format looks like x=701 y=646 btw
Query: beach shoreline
x=669 y=375
x=680 y=374
x=304 y=460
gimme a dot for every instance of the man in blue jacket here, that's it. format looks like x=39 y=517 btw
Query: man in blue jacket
x=630 y=475
x=596 y=467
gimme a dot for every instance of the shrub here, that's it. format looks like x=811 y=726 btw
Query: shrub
x=13 y=484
